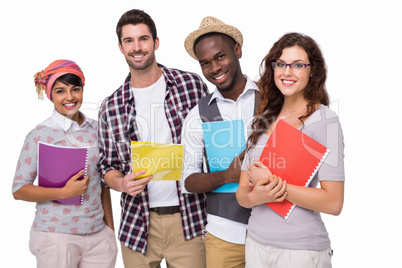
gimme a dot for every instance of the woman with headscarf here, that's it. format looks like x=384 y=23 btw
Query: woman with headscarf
x=66 y=235
x=293 y=89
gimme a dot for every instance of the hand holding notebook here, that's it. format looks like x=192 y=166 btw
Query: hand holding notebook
x=132 y=184
x=77 y=184
x=59 y=165
x=224 y=141
x=161 y=160
x=293 y=156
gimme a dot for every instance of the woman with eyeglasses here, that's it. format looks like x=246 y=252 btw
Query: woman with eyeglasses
x=66 y=235
x=292 y=87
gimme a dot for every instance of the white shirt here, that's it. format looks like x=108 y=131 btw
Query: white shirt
x=58 y=120
x=153 y=127
x=193 y=141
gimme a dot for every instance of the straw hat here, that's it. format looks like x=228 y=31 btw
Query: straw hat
x=211 y=25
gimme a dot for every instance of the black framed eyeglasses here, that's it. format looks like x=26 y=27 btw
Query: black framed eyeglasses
x=296 y=66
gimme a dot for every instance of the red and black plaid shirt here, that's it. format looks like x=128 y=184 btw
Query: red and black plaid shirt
x=117 y=128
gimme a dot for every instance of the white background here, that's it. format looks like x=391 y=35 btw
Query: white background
x=361 y=44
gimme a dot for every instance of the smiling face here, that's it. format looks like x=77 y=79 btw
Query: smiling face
x=67 y=99
x=138 y=46
x=219 y=61
x=292 y=82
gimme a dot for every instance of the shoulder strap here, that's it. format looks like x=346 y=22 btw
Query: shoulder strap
x=222 y=204
x=257 y=100
x=209 y=112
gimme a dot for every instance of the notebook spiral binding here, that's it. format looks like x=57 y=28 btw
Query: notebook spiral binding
x=317 y=167
x=57 y=164
x=85 y=171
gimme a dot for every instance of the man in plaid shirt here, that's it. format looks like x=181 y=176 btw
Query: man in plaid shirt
x=157 y=221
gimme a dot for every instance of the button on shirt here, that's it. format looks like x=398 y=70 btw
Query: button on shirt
x=193 y=141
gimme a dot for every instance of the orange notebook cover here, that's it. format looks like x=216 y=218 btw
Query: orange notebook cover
x=293 y=156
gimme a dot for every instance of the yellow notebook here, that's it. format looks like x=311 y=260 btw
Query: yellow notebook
x=163 y=161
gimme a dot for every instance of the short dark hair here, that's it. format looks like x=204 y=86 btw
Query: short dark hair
x=134 y=17
x=69 y=79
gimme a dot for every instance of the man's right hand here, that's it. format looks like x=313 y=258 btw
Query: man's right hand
x=232 y=174
x=133 y=186
x=207 y=182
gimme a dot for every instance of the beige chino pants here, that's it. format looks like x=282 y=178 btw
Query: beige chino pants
x=223 y=254
x=166 y=241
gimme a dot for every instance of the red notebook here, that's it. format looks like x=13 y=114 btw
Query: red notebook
x=293 y=156
x=57 y=164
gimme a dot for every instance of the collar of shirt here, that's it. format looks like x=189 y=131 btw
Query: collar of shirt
x=128 y=93
x=250 y=86
x=66 y=123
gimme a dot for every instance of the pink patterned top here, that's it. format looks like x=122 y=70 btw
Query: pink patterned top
x=52 y=216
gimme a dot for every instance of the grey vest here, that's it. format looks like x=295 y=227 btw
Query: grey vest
x=224 y=205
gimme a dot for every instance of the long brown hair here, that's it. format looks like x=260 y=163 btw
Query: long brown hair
x=271 y=97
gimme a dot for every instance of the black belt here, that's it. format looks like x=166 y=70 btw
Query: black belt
x=166 y=210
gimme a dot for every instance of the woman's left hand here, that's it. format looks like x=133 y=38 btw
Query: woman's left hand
x=271 y=189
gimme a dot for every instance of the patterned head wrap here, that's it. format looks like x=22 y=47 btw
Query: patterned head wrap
x=45 y=79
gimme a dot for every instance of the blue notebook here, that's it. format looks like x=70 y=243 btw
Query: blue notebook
x=224 y=140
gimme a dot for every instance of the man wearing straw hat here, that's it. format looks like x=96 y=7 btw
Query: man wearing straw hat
x=157 y=221
x=218 y=48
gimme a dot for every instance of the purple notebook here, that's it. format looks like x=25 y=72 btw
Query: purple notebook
x=57 y=164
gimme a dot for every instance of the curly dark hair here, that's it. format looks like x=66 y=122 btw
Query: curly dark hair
x=271 y=97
